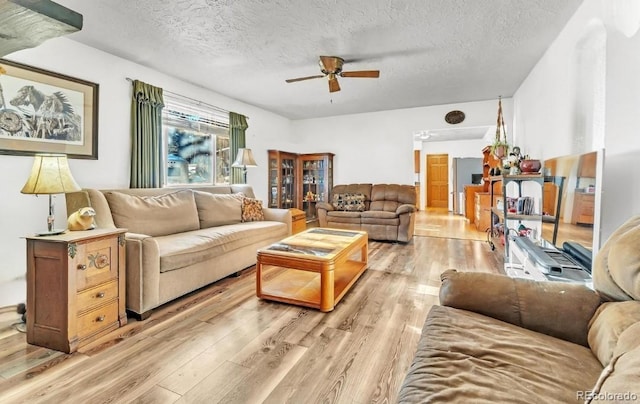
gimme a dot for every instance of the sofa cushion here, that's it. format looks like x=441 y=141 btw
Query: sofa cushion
x=560 y=309
x=380 y=217
x=181 y=250
x=338 y=216
x=620 y=380
x=218 y=209
x=388 y=197
x=252 y=210
x=611 y=320
x=160 y=215
x=349 y=202
x=616 y=267
x=379 y=214
x=465 y=357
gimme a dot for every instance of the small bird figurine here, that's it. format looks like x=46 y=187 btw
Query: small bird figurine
x=82 y=219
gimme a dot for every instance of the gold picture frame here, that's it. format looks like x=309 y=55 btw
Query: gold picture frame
x=46 y=112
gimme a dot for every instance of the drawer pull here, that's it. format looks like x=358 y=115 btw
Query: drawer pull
x=100 y=295
x=82 y=267
x=100 y=319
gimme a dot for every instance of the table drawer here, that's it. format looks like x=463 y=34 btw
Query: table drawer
x=96 y=296
x=97 y=319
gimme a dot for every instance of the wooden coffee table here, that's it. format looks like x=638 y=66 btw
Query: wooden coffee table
x=314 y=268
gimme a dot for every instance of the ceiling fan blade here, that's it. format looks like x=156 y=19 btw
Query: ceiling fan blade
x=331 y=64
x=333 y=85
x=362 y=73
x=319 y=76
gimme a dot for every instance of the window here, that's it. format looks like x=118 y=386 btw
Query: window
x=196 y=141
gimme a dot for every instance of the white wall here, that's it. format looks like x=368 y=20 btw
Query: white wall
x=377 y=147
x=22 y=215
x=549 y=112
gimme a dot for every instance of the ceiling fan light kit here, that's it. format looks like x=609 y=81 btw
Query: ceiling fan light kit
x=331 y=67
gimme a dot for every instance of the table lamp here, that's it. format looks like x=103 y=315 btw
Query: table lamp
x=244 y=159
x=50 y=175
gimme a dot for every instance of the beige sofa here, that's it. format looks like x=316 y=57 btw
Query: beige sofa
x=496 y=339
x=384 y=211
x=179 y=240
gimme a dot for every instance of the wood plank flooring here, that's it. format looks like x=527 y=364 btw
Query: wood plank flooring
x=223 y=345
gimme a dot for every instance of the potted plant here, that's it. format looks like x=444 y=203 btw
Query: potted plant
x=500 y=147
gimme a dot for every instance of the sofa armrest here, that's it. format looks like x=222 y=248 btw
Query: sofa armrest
x=143 y=272
x=324 y=205
x=278 y=215
x=406 y=208
x=559 y=309
x=321 y=209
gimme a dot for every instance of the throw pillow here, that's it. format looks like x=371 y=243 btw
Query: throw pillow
x=349 y=202
x=160 y=215
x=252 y=210
x=218 y=209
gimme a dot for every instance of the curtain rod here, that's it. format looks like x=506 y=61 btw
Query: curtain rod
x=192 y=99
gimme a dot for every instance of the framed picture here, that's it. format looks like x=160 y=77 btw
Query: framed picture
x=46 y=112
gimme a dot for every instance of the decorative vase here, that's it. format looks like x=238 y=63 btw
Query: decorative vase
x=530 y=166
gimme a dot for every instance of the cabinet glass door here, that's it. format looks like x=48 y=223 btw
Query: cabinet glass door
x=288 y=196
x=313 y=178
x=273 y=182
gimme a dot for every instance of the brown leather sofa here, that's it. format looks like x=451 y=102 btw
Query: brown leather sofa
x=387 y=211
x=496 y=339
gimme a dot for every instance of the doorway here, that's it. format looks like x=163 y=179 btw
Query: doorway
x=437 y=181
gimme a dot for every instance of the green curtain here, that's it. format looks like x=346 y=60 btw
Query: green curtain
x=146 y=136
x=237 y=128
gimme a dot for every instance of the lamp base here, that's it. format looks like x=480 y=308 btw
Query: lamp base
x=51 y=232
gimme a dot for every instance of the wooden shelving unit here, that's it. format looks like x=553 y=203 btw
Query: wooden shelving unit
x=504 y=215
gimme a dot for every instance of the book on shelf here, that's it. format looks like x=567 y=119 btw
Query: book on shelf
x=524 y=205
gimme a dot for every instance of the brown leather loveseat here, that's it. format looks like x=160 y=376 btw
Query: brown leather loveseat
x=496 y=339
x=384 y=211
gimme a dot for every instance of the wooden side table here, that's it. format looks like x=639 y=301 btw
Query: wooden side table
x=75 y=287
x=298 y=221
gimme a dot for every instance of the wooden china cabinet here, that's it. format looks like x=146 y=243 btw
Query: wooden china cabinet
x=283 y=180
x=300 y=180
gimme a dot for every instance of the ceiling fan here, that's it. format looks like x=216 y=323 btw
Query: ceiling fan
x=331 y=67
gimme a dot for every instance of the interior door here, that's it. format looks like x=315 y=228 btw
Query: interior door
x=438 y=180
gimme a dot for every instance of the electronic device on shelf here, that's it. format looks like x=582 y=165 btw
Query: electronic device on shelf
x=554 y=264
x=579 y=253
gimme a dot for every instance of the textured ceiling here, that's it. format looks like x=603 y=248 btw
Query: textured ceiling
x=428 y=52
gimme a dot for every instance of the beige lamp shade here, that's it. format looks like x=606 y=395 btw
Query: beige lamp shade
x=50 y=174
x=244 y=159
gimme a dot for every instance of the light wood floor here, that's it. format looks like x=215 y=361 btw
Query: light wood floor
x=436 y=222
x=222 y=344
